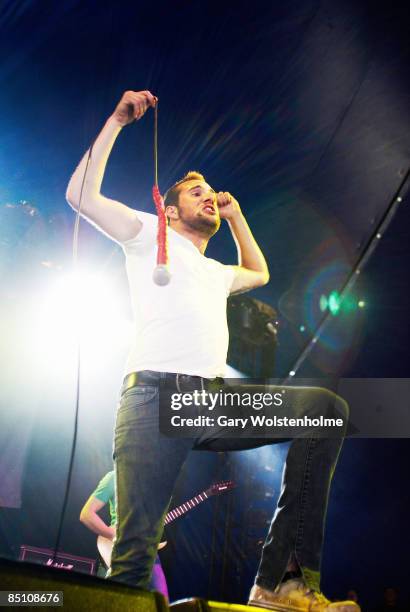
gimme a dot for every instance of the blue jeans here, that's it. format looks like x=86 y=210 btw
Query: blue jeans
x=147 y=465
x=157 y=581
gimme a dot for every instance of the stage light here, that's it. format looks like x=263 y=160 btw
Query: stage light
x=334 y=303
x=337 y=303
x=302 y=328
x=84 y=299
x=78 y=308
x=323 y=303
x=292 y=373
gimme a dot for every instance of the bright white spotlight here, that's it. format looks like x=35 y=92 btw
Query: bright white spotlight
x=80 y=308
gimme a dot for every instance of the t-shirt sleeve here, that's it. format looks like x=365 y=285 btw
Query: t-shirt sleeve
x=106 y=488
x=147 y=235
x=229 y=272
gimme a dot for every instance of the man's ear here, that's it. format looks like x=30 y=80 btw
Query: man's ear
x=172 y=212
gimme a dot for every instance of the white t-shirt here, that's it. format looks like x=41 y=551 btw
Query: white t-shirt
x=180 y=327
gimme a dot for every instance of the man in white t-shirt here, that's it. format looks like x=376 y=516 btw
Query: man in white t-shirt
x=181 y=340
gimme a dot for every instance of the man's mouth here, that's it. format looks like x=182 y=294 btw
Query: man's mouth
x=209 y=209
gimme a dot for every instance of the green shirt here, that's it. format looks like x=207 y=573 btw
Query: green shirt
x=105 y=492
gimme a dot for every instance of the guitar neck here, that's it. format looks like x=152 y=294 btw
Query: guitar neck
x=105 y=545
x=185 y=507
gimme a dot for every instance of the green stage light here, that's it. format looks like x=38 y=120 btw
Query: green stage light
x=337 y=303
x=323 y=303
x=334 y=303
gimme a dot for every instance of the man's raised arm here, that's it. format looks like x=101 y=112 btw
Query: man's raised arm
x=252 y=270
x=113 y=218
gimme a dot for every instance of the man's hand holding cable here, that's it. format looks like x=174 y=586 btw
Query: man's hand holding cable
x=132 y=106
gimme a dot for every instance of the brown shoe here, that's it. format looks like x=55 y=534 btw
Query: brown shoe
x=295 y=596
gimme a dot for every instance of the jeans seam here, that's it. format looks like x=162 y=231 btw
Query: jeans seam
x=303 y=495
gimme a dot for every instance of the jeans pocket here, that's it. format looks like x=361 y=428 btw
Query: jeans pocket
x=137 y=417
x=138 y=396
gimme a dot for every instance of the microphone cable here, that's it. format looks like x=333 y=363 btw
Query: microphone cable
x=77 y=400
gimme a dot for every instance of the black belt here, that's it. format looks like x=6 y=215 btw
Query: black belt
x=183 y=383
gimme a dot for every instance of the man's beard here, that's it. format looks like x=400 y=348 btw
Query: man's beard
x=207 y=226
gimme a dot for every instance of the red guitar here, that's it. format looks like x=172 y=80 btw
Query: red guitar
x=105 y=545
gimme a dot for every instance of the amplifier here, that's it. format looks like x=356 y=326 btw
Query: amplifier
x=62 y=560
x=253 y=327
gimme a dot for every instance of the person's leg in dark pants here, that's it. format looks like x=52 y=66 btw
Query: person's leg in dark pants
x=296 y=533
x=297 y=528
x=147 y=465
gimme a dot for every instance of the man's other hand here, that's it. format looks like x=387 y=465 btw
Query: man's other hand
x=133 y=105
x=228 y=206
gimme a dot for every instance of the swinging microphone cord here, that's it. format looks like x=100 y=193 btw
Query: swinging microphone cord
x=77 y=400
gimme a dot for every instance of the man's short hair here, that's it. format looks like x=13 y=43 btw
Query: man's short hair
x=172 y=194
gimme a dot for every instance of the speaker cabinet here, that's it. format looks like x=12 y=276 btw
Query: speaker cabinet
x=80 y=591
